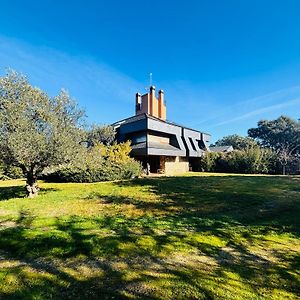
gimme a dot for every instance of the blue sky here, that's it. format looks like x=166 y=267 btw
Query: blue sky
x=223 y=65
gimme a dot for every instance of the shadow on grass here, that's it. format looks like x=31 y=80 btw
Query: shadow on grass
x=41 y=263
x=139 y=257
x=10 y=192
x=272 y=202
x=49 y=255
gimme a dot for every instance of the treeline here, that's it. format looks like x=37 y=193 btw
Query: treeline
x=273 y=147
x=246 y=161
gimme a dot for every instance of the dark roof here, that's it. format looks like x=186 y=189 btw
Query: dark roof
x=221 y=149
x=153 y=145
x=161 y=146
x=129 y=120
x=143 y=116
x=139 y=146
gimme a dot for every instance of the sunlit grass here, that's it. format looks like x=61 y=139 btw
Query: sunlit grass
x=197 y=236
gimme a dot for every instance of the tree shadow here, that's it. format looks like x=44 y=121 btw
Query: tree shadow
x=45 y=254
x=129 y=256
x=11 y=192
x=240 y=200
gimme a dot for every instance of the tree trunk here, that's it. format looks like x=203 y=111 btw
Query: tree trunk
x=283 y=169
x=31 y=185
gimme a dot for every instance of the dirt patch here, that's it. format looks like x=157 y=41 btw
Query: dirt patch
x=7 y=224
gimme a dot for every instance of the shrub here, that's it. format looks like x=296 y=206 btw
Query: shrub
x=4 y=177
x=10 y=172
x=99 y=163
x=13 y=172
x=106 y=172
x=210 y=161
x=252 y=160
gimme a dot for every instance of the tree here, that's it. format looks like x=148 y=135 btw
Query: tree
x=36 y=131
x=100 y=134
x=237 y=142
x=282 y=135
x=253 y=160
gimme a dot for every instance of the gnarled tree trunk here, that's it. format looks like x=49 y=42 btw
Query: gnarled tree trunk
x=31 y=185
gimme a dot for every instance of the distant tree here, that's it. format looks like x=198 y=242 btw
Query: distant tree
x=237 y=142
x=282 y=135
x=36 y=131
x=100 y=134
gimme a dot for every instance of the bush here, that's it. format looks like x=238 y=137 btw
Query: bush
x=250 y=161
x=10 y=172
x=253 y=160
x=99 y=163
x=13 y=172
x=107 y=172
x=4 y=177
x=210 y=161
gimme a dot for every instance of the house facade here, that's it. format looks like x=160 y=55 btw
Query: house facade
x=166 y=146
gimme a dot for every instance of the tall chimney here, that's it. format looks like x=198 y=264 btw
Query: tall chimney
x=161 y=105
x=152 y=99
x=138 y=103
x=160 y=102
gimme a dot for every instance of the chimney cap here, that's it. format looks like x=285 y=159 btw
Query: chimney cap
x=152 y=87
x=161 y=91
x=138 y=94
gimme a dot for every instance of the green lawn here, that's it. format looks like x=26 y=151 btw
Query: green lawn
x=201 y=236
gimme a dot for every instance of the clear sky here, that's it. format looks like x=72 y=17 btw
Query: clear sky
x=223 y=65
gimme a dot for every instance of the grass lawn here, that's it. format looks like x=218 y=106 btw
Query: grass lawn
x=200 y=236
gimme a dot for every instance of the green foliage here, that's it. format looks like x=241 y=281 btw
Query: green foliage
x=199 y=236
x=13 y=172
x=237 y=142
x=4 y=177
x=282 y=135
x=210 y=160
x=250 y=161
x=106 y=172
x=100 y=134
x=253 y=160
x=36 y=131
x=99 y=163
x=278 y=134
x=10 y=172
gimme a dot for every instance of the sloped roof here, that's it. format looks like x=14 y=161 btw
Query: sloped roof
x=143 y=116
x=221 y=149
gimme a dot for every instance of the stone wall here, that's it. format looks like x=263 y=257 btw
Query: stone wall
x=175 y=165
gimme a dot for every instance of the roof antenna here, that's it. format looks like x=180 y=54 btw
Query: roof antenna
x=150 y=82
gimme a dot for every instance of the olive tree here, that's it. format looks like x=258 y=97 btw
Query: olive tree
x=36 y=131
x=100 y=134
x=282 y=135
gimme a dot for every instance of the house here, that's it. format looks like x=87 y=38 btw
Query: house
x=224 y=149
x=167 y=147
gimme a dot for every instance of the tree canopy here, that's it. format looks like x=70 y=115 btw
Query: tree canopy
x=36 y=131
x=237 y=142
x=100 y=134
x=283 y=132
x=282 y=135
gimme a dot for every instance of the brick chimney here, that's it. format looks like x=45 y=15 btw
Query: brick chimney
x=152 y=101
x=149 y=104
x=162 y=112
x=138 y=103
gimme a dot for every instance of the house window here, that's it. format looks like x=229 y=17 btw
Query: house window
x=138 y=139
